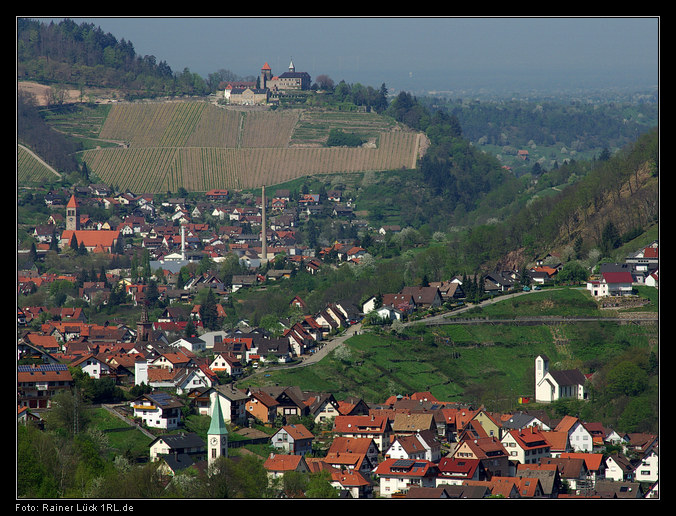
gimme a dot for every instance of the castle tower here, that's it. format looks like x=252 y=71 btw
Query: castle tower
x=292 y=68
x=72 y=215
x=266 y=75
x=217 y=436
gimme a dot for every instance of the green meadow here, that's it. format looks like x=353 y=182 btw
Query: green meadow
x=480 y=363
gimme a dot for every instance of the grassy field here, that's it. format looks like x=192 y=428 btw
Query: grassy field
x=491 y=364
x=122 y=438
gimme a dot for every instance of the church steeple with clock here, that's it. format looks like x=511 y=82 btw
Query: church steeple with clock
x=217 y=436
x=72 y=215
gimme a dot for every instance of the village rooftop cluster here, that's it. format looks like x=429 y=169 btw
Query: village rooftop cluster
x=406 y=446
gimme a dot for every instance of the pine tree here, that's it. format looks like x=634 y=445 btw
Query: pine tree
x=208 y=312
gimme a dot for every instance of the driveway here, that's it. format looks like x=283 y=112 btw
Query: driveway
x=324 y=348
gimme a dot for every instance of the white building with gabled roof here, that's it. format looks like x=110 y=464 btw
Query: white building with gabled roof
x=553 y=385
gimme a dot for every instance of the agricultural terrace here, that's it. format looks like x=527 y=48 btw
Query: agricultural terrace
x=31 y=169
x=200 y=146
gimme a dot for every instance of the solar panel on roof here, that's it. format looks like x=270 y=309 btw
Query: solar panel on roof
x=403 y=463
x=160 y=397
x=41 y=368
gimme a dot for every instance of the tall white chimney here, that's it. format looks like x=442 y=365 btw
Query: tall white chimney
x=183 y=242
x=264 y=238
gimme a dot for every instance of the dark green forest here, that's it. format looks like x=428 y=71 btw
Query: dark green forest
x=82 y=54
x=33 y=131
x=576 y=123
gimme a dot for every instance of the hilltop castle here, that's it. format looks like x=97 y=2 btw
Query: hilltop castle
x=268 y=87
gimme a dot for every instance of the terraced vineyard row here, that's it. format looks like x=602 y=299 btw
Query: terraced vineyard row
x=171 y=124
x=31 y=170
x=268 y=128
x=199 y=146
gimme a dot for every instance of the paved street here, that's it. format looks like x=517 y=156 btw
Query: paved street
x=324 y=348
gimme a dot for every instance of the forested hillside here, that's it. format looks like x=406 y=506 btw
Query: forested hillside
x=82 y=54
x=53 y=147
x=576 y=124
x=622 y=190
x=485 y=210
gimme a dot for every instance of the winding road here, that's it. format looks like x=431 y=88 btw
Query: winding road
x=329 y=345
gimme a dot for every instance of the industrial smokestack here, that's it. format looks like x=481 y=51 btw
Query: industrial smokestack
x=264 y=239
x=183 y=242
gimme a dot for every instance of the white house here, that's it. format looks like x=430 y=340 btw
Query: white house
x=648 y=469
x=553 y=385
x=213 y=337
x=652 y=279
x=399 y=475
x=369 y=305
x=140 y=371
x=91 y=365
x=158 y=410
x=183 y=443
x=618 y=468
x=612 y=437
x=227 y=363
x=420 y=445
x=579 y=438
x=189 y=379
x=527 y=445
x=193 y=344
x=406 y=447
x=293 y=439
x=232 y=402
x=389 y=313
x=611 y=284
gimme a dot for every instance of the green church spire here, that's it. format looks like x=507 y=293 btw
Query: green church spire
x=217 y=426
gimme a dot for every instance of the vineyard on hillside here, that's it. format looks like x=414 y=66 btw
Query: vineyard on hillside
x=200 y=146
x=31 y=170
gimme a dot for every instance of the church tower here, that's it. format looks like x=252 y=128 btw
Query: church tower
x=72 y=215
x=541 y=368
x=144 y=326
x=217 y=436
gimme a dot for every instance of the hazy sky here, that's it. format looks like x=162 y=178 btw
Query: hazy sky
x=408 y=53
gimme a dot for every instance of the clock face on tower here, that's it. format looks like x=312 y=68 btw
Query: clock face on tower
x=214 y=440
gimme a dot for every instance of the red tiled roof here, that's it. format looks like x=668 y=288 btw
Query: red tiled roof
x=298 y=431
x=349 y=478
x=92 y=238
x=363 y=424
x=592 y=460
x=650 y=252
x=404 y=467
x=617 y=277
x=281 y=462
